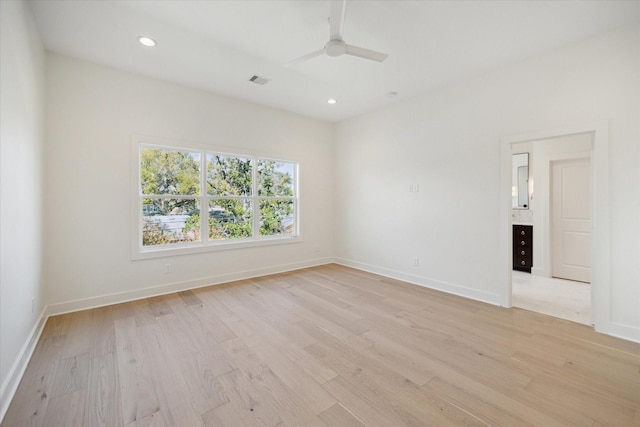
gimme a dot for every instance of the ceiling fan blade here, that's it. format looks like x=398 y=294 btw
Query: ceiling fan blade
x=336 y=19
x=365 y=53
x=305 y=58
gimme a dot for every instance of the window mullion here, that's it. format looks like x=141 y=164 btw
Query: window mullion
x=254 y=198
x=204 y=201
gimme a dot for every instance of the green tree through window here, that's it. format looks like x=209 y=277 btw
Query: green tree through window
x=237 y=188
x=172 y=173
x=275 y=190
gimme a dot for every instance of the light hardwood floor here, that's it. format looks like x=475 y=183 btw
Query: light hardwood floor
x=326 y=346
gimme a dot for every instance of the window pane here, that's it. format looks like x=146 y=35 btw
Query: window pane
x=165 y=171
x=166 y=221
x=228 y=176
x=230 y=219
x=275 y=178
x=276 y=217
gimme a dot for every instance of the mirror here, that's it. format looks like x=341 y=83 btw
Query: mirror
x=520 y=181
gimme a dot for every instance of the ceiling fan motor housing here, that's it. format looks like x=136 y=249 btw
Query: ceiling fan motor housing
x=335 y=48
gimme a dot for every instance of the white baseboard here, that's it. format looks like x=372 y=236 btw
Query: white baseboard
x=10 y=385
x=426 y=282
x=619 y=330
x=117 y=298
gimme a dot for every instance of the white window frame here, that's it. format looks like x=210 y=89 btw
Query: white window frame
x=138 y=251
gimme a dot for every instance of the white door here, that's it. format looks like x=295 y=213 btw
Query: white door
x=571 y=220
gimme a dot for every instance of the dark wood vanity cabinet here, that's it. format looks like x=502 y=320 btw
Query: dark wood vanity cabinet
x=523 y=247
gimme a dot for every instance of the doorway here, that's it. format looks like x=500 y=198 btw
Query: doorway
x=599 y=250
x=559 y=213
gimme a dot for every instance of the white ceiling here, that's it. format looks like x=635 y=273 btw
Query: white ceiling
x=218 y=45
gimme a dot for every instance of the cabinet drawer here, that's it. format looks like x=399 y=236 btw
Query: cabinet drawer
x=522 y=232
x=522 y=262
x=524 y=252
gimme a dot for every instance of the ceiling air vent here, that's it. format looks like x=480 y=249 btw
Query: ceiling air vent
x=259 y=80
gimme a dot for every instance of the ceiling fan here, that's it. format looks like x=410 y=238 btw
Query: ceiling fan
x=336 y=45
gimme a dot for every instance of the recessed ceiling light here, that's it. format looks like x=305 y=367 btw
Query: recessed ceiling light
x=147 y=41
x=332 y=101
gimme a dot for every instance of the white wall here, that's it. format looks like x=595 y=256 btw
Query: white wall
x=21 y=108
x=448 y=142
x=92 y=113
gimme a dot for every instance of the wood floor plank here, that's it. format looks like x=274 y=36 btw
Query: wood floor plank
x=142 y=312
x=72 y=374
x=454 y=353
x=589 y=403
x=331 y=327
x=247 y=405
x=292 y=410
x=296 y=378
x=206 y=343
x=397 y=358
x=189 y=298
x=79 y=338
x=137 y=395
x=482 y=408
x=322 y=290
x=56 y=325
x=324 y=346
x=215 y=300
x=197 y=373
x=375 y=381
x=317 y=277
x=102 y=328
x=155 y=419
x=121 y=311
x=102 y=406
x=287 y=348
x=359 y=404
x=159 y=305
x=337 y=415
x=338 y=315
x=168 y=383
x=217 y=329
x=265 y=304
x=67 y=410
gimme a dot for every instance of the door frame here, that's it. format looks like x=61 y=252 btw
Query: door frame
x=600 y=221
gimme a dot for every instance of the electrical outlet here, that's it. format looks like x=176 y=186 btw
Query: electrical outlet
x=416 y=261
x=168 y=269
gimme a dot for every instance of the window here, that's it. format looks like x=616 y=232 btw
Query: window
x=200 y=199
